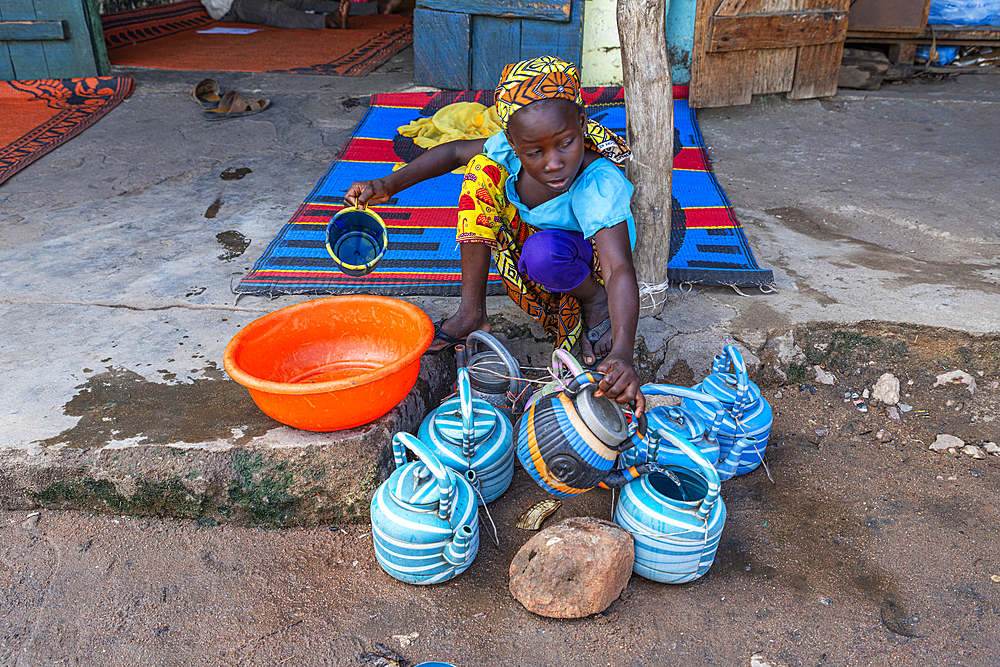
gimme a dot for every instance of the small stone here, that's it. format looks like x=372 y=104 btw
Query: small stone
x=886 y=389
x=573 y=569
x=406 y=640
x=945 y=441
x=974 y=452
x=823 y=377
x=777 y=394
x=995 y=578
x=953 y=479
x=991 y=448
x=883 y=436
x=903 y=407
x=893 y=412
x=865 y=394
x=956 y=377
x=758 y=660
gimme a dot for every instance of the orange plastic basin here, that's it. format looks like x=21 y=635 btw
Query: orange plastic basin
x=331 y=364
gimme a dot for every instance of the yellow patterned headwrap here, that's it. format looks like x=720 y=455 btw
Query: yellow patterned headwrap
x=549 y=78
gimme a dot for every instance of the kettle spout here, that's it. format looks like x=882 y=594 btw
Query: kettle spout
x=727 y=469
x=458 y=550
x=616 y=479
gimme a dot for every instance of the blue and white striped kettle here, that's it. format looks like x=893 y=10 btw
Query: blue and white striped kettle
x=467 y=433
x=675 y=515
x=685 y=423
x=748 y=414
x=425 y=520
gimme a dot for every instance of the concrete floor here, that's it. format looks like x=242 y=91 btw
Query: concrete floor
x=867 y=206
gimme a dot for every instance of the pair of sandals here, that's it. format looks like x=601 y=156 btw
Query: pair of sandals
x=230 y=105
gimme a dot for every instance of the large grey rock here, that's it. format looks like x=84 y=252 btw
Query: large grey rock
x=573 y=569
x=698 y=350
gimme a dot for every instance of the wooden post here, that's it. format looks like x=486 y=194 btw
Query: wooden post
x=649 y=103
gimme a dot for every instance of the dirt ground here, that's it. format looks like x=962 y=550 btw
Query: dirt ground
x=859 y=552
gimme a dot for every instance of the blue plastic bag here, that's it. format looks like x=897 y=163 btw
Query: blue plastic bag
x=964 y=12
x=945 y=54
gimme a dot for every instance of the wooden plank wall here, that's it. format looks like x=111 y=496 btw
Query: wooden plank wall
x=441 y=53
x=733 y=77
x=495 y=42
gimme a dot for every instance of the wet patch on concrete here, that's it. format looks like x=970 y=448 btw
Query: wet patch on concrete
x=234 y=174
x=121 y=404
x=233 y=243
x=213 y=209
x=913 y=267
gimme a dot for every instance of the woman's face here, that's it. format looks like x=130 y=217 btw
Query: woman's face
x=548 y=138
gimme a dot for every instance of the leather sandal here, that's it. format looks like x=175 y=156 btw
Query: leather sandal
x=206 y=93
x=235 y=105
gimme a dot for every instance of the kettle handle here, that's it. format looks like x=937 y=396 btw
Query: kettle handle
x=732 y=360
x=707 y=469
x=403 y=441
x=518 y=383
x=694 y=395
x=563 y=359
x=468 y=416
x=593 y=377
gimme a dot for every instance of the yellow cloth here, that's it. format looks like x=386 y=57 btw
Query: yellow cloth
x=461 y=120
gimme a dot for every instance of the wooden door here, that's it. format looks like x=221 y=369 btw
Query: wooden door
x=51 y=39
x=465 y=44
x=748 y=47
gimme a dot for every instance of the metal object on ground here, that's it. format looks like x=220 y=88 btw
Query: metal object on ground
x=533 y=517
x=494 y=375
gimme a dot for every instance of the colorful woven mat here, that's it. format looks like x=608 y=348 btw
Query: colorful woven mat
x=707 y=243
x=167 y=37
x=39 y=115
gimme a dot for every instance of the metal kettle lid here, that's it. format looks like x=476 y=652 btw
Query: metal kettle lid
x=415 y=486
x=447 y=420
x=488 y=373
x=602 y=416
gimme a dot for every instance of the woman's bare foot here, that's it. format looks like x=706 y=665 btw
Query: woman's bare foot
x=595 y=312
x=388 y=7
x=339 y=20
x=458 y=327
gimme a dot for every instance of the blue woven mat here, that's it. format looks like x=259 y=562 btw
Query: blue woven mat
x=707 y=243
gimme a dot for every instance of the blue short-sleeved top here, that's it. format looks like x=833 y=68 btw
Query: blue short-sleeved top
x=598 y=198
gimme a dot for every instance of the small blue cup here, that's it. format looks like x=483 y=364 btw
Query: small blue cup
x=356 y=239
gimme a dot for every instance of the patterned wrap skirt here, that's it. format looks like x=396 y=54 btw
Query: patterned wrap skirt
x=486 y=216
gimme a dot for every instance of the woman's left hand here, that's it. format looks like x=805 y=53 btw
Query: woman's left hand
x=620 y=382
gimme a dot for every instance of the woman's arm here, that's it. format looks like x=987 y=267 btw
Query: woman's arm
x=621 y=382
x=437 y=161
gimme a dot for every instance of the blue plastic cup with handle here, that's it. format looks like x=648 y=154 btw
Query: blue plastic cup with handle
x=356 y=239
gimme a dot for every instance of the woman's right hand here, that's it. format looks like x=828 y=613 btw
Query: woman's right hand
x=367 y=193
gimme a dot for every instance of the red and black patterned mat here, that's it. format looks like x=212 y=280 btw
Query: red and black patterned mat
x=42 y=114
x=167 y=37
